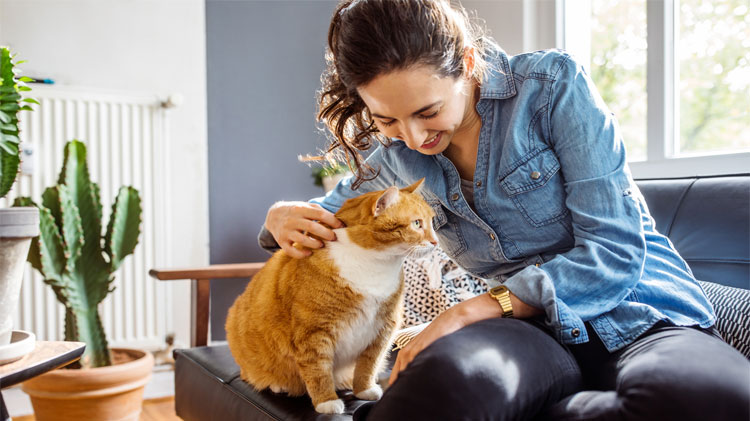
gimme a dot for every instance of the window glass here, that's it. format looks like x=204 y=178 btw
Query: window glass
x=714 y=84
x=618 y=66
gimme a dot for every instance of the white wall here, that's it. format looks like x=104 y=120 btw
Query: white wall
x=517 y=25
x=143 y=46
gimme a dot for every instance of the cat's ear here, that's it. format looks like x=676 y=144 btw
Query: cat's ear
x=414 y=187
x=388 y=198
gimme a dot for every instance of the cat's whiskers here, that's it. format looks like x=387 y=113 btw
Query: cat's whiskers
x=417 y=251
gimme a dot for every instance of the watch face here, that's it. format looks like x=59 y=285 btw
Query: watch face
x=498 y=289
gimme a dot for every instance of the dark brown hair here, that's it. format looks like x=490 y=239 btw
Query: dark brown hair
x=368 y=38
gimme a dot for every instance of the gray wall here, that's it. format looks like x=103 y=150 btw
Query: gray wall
x=264 y=60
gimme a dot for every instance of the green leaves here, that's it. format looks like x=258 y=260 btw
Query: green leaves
x=11 y=102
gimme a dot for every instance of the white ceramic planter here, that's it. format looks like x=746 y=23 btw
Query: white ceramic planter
x=330 y=182
x=17 y=227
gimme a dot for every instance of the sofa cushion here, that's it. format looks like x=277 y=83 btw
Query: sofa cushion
x=707 y=221
x=732 y=307
x=208 y=387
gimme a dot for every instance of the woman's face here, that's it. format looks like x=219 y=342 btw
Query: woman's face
x=416 y=105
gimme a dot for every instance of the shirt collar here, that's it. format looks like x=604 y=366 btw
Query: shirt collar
x=498 y=83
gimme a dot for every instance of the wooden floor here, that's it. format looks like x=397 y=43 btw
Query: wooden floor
x=161 y=409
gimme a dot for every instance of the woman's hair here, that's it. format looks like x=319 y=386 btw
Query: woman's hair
x=368 y=38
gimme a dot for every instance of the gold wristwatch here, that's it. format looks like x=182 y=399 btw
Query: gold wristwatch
x=502 y=294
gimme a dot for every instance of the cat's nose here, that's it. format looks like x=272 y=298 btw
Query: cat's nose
x=433 y=242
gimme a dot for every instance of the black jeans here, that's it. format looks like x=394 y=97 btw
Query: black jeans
x=508 y=369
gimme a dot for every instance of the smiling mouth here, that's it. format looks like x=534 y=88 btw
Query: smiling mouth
x=433 y=142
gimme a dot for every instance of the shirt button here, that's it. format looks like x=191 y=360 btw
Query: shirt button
x=455 y=196
x=535 y=175
x=492 y=236
x=479 y=184
x=575 y=332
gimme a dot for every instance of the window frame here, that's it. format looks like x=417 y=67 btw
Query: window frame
x=662 y=127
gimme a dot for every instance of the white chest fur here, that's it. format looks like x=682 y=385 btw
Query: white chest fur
x=374 y=274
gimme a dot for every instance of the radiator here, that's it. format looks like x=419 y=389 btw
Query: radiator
x=126 y=139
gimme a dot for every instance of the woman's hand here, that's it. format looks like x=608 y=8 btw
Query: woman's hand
x=478 y=308
x=294 y=222
x=446 y=323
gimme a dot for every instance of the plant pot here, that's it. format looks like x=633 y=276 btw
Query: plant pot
x=17 y=227
x=95 y=394
x=330 y=181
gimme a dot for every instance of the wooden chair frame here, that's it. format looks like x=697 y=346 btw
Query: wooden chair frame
x=200 y=291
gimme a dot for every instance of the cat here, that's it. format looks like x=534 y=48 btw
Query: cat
x=324 y=322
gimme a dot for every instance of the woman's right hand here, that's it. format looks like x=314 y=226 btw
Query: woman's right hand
x=294 y=222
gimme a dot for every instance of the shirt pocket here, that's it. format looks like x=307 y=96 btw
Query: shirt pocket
x=537 y=189
x=439 y=219
x=449 y=235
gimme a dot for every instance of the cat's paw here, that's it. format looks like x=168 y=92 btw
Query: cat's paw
x=335 y=406
x=277 y=389
x=372 y=394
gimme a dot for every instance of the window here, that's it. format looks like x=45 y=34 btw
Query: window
x=714 y=76
x=676 y=73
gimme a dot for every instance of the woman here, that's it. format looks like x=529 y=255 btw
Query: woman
x=526 y=171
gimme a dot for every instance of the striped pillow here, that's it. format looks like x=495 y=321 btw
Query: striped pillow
x=732 y=307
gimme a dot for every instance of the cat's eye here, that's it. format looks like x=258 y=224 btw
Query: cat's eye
x=417 y=223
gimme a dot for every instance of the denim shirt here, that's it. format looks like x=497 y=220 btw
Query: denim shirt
x=557 y=217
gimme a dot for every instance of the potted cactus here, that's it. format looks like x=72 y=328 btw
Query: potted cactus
x=17 y=225
x=78 y=263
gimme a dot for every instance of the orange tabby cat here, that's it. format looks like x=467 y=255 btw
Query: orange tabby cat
x=324 y=322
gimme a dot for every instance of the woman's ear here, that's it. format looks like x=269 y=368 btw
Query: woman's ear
x=469 y=62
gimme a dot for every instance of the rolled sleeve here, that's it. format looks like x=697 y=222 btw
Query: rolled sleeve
x=608 y=256
x=266 y=240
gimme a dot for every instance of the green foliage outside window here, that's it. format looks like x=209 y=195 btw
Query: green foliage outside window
x=713 y=56
x=618 y=66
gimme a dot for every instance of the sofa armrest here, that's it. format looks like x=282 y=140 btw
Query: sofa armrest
x=200 y=291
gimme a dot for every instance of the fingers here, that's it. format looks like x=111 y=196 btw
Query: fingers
x=293 y=252
x=403 y=359
x=316 y=212
x=395 y=370
x=304 y=240
x=312 y=227
x=299 y=222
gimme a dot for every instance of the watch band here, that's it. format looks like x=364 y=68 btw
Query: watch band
x=501 y=293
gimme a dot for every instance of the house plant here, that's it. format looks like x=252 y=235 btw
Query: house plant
x=17 y=225
x=78 y=262
x=329 y=173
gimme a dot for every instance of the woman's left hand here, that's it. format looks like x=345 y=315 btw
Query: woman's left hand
x=462 y=314
x=446 y=323
x=481 y=307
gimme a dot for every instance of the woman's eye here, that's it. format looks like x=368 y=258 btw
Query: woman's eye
x=387 y=123
x=417 y=223
x=427 y=117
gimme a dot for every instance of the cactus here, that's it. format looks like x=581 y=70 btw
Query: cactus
x=10 y=104
x=71 y=254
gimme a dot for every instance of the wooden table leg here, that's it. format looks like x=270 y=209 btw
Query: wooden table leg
x=4 y=416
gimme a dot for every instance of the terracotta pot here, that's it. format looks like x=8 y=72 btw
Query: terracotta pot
x=97 y=394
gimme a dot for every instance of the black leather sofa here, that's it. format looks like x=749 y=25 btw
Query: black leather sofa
x=707 y=219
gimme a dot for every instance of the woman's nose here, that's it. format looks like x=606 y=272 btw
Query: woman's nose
x=413 y=135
